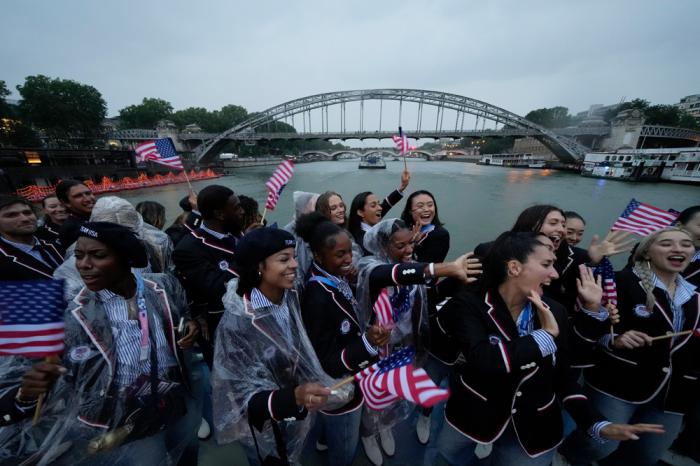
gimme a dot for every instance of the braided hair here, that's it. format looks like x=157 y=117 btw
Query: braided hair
x=642 y=264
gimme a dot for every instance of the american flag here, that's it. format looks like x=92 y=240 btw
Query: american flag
x=31 y=318
x=643 y=219
x=160 y=151
x=605 y=269
x=384 y=313
x=394 y=377
x=279 y=179
x=401 y=142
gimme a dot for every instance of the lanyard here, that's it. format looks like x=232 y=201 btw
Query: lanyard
x=143 y=316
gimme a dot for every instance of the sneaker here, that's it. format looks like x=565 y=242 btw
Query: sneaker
x=204 y=431
x=423 y=429
x=386 y=438
x=321 y=446
x=372 y=450
x=483 y=450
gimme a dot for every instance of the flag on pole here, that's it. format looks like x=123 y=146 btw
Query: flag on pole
x=605 y=269
x=401 y=142
x=31 y=318
x=279 y=179
x=394 y=377
x=160 y=151
x=643 y=219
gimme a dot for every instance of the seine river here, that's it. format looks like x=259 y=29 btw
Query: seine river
x=475 y=202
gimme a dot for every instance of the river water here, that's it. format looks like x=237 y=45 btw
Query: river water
x=475 y=202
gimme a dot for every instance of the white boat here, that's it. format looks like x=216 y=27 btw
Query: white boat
x=512 y=161
x=676 y=165
x=372 y=161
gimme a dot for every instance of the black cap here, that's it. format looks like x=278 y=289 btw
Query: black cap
x=119 y=238
x=185 y=204
x=260 y=244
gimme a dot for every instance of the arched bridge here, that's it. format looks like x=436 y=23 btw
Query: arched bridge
x=252 y=129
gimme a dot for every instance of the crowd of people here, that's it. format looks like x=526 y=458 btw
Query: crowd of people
x=223 y=323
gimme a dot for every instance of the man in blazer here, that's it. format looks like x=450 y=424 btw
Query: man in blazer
x=22 y=255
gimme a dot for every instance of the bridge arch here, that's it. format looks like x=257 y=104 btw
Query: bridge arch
x=565 y=148
x=336 y=154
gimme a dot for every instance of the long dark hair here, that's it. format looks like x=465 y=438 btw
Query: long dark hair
x=511 y=245
x=152 y=212
x=354 y=220
x=532 y=218
x=406 y=214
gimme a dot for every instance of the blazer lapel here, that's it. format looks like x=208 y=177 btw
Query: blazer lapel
x=499 y=315
x=25 y=260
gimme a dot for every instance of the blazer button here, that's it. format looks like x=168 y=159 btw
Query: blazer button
x=359 y=334
x=666 y=370
x=518 y=393
x=290 y=419
x=514 y=411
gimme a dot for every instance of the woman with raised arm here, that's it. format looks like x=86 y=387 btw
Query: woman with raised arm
x=266 y=376
x=366 y=210
x=648 y=369
x=332 y=320
x=550 y=221
x=392 y=294
x=515 y=378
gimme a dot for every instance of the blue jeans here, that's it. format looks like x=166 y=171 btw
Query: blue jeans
x=342 y=434
x=458 y=450
x=580 y=448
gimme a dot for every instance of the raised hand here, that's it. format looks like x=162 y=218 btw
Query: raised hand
x=417 y=235
x=405 y=179
x=590 y=288
x=621 y=432
x=614 y=243
x=547 y=320
x=378 y=335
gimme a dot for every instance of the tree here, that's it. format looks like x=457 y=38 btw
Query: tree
x=62 y=107
x=687 y=120
x=229 y=116
x=5 y=110
x=638 y=104
x=555 y=117
x=146 y=114
x=197 y=115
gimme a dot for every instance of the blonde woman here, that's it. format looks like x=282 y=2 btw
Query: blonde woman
x=642 y=374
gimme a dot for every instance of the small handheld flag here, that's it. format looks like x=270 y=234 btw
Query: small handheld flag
x=605 y=269
x=31 y=318
x=394 y=377
x=279 y=179
x=643 y=219
x=401 y=143
x=161 y=151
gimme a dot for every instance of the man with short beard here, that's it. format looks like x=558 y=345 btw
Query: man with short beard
x=78 y=200
x=204 y=257
x=22 y=255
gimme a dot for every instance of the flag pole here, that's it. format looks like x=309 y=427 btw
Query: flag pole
x=40 y=401
x=403 y=150
x=343 y=382
x=187 y=178
x=671 y=335
x=262 y=219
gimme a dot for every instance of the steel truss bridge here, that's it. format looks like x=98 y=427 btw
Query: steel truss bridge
x=252 y=129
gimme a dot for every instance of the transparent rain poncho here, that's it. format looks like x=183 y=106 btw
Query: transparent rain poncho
x=86 y=409
x=117 y=210
x=304 y=202
x=253 y=354
x=376 y=241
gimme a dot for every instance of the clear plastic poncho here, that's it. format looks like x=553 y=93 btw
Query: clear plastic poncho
x=376 y=241
x=159 y=247
x=86 y=409
x=304 y=202
x=253 y=354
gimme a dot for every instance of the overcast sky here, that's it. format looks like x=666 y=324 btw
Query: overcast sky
x=519 y=55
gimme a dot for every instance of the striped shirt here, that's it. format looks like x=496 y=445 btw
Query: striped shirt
x=684 y=291
x=526 y=326
x=127 y=340
x=279 y=311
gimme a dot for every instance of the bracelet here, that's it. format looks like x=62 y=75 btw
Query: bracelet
x=20 y=400
x=431 y=269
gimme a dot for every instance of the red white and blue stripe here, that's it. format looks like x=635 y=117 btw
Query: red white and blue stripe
x=31 y=318
x=279 y=179
x=401 y=142
x=643 y=219
x=160 y=151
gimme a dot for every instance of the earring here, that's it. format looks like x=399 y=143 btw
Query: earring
x=259 y=274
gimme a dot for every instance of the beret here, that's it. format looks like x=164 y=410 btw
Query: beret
x=260 y=244
x=119 y=238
